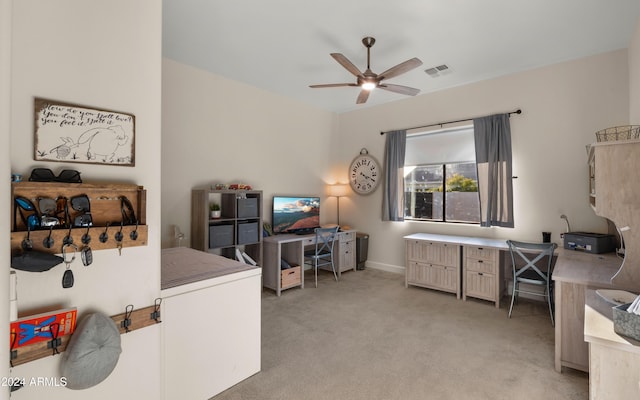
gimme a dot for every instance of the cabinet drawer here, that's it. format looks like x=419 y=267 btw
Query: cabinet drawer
x=417 y=272
x=347 y=236
x=481 y=266
x=482 y=253
x=480 y=285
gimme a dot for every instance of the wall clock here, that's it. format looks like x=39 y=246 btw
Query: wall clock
x=364 y=173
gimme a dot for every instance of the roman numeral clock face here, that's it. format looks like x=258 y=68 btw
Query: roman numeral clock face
x=364 y=174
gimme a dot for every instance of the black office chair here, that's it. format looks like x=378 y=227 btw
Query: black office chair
x=323 y=251
x=531 y=273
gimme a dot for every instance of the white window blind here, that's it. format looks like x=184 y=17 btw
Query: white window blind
x=445 y=146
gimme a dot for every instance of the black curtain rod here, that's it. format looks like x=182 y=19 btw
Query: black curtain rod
x=518 y=111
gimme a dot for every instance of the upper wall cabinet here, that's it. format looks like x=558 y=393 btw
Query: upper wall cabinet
x=615 y=194
x=50 y=214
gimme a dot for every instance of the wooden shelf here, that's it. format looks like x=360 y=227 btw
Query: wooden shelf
x=241 y=213
x=138 y=319
x=105 y=209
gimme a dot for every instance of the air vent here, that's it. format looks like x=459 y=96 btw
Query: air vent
x=437 y=71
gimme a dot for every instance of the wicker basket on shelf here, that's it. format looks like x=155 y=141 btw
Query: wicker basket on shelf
x=625 y=132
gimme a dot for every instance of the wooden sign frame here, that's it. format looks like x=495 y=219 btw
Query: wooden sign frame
x=67 y=132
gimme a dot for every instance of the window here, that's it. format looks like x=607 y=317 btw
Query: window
x=440 y=176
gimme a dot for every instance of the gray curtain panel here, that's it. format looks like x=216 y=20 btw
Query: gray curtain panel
x=393 y=194
x=492 y=136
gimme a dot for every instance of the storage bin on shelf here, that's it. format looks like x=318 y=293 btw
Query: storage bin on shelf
x=290 y=277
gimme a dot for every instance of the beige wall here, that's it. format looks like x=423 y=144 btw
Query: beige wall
x=563 y=105
x=216 y=130
x=107 y=57
x=5 y=170
x=634 y=77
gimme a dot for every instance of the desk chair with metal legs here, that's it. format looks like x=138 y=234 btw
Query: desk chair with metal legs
x=531 y=273
x=323 y=252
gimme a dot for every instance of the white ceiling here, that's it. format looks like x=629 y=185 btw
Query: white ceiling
x=283 y=46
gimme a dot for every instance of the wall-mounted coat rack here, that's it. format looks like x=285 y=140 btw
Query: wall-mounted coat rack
x=127 y=321
x=108 y=229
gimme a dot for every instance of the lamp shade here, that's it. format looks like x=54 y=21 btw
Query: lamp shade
x=338 y=190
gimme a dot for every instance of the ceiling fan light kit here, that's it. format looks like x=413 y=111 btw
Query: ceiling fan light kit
x=368 y=80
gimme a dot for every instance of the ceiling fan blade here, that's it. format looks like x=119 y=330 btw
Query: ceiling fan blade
x=400 y=89
x=348 y=65
x=363 y=96
x=400 y=68
x=332 y=85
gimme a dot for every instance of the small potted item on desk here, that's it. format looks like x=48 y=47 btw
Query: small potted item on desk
x=215 y=210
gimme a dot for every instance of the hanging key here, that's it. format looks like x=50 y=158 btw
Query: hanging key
x=86 y=255
x=67 y=277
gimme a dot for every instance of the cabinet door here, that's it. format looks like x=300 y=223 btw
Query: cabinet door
x=480 y=285
x=440 y=253
x=432 y=252
x=417 y=273
x=347 y=256
x=575 y=351
x=444 y=277
x=414 y=249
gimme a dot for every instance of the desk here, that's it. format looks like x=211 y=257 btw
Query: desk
x=464 y=265
x=574 y=273
x=291 y=248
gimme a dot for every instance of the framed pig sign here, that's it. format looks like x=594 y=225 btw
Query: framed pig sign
x=74 y=133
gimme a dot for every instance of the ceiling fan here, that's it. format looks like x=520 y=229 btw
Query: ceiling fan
x=368 y=80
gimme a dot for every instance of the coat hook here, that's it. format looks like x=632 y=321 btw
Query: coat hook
x=86 y=238
x=55 y=342
x=48 y=241
x=68 y=239
x=134 y=233
x=27 y=243
x=155 y=315
x=126 y=322
x=119 y=236
x=104 y=236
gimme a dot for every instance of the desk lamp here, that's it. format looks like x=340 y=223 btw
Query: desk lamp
x=338 y=190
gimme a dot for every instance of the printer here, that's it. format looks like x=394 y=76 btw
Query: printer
x=590 y=242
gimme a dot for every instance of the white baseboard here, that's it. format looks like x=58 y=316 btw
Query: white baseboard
x=396 y=269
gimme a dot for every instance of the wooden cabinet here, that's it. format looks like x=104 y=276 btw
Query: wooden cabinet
x=571 y=349
x=105 y=209
x=346 y=251
x=481 y=274
x=614 y=360
x=574 y=274
x=239 y=227
x=433 y=265
x=614 y=193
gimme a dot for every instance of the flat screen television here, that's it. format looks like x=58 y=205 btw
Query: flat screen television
x=295 y=214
